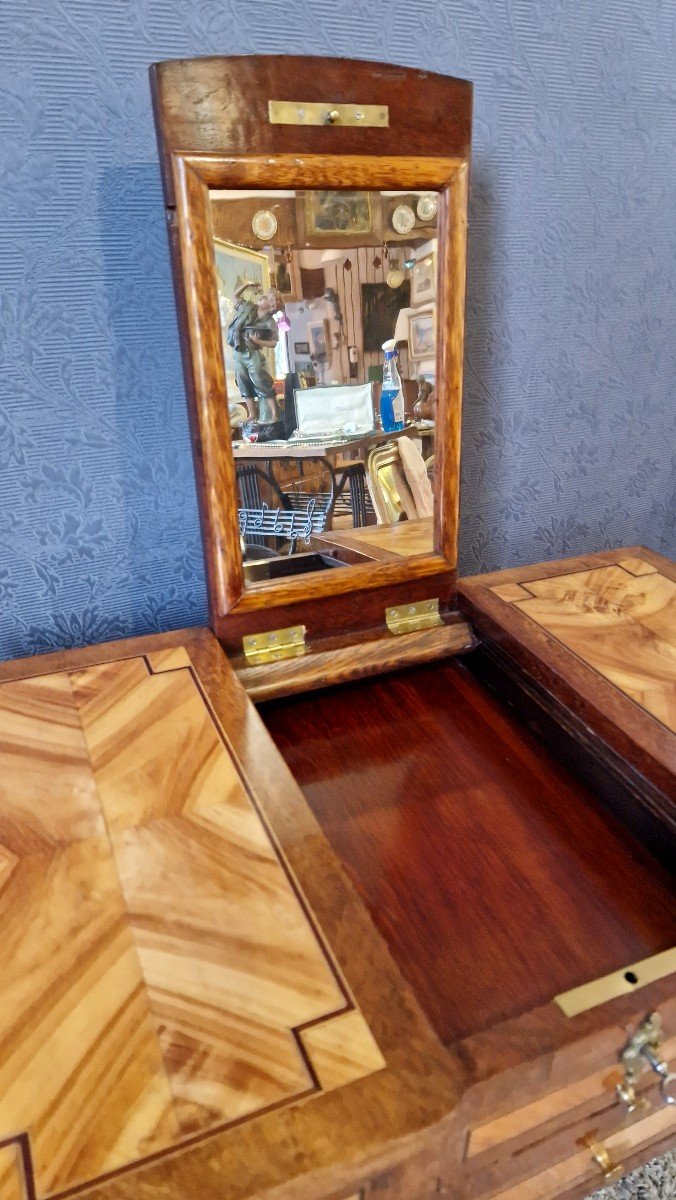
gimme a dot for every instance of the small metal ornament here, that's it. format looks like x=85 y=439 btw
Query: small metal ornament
x=641 y=1050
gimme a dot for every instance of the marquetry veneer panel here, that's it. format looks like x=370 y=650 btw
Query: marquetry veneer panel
x=620 y=619
x=12 y=1183
x=160 y=974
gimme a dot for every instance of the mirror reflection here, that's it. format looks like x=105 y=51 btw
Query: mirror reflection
x=327 y=303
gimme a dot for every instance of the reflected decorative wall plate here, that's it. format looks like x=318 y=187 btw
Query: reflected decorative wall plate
x=403 y=219
x=264 y=224
x=427 y=206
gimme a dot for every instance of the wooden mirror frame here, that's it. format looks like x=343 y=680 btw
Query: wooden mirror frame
x=204 y=109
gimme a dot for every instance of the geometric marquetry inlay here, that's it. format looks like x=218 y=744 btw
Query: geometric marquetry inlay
x=160 y=974
x=620 y=619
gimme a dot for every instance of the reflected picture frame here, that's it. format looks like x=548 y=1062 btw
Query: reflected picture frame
x=287 y=279
x=338 y=213
x=356 y=220
x=426 y=368
x=319 y=335
x=422 y=334
x=424 y=279
x=234 y=264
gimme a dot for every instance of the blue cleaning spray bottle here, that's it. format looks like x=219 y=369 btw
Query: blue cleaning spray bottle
x=392 y=396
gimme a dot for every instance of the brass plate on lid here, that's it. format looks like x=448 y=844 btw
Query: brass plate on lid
x=297 y=112
x=619 y=983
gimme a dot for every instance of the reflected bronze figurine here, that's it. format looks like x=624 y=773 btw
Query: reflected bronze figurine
x=423 y=409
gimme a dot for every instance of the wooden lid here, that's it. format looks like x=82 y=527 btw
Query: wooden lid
x=220 y=106
x=183 y=961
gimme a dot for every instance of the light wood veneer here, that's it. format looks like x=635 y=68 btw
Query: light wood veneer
x=586 y=648
x=620 y=619
x=381 y=542
x=161 y=973
x=193 y=990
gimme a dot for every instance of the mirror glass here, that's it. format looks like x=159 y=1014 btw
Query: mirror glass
x=327 y=303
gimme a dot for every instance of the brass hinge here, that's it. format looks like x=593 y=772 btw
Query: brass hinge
x=296 y=112
x=278 y=643
x=409 y=618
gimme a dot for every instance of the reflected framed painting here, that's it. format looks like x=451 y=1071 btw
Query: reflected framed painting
x=380 y=307
x=287 y=277
x=319 y=334
x=236 y=265
x=426 y=368
x=421 y=339
x=338 y=218
x=424 y=279
x=338 y=212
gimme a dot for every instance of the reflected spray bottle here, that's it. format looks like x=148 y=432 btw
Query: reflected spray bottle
x=392 y=395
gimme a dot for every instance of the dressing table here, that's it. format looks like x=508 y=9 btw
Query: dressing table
x=364 y=891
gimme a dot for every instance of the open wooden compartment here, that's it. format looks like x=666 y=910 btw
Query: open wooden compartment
x=498 y=877
x=506 y=869
x=217 y=955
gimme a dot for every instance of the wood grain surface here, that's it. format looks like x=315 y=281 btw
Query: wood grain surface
x=333 y=663
x=381 y=542
x=595 y=635
x=530 y=1117
x=497 y=879
x=161 y=975
x=12 y=1178
x=219 y=106
x=360 y=613
x=579 y=1167
x=491 y=871
x=167 y=921
x=620 y=620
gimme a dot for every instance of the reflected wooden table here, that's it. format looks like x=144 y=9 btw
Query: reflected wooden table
x=383 y=543
x=344 y=458
x=331 y=448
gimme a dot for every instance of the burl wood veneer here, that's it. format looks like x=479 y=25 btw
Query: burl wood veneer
x=587 y=648
x=163 y=977
x=620 y=619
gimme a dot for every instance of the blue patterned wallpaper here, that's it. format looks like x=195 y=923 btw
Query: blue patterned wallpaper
x=571 y=355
